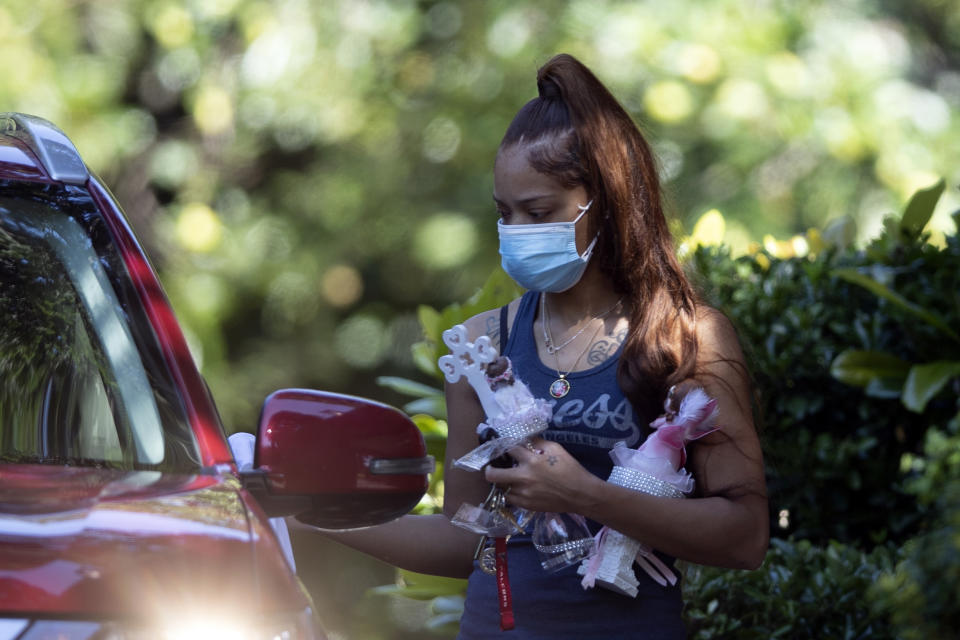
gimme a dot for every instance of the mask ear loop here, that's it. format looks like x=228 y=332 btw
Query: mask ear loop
x=583 y=210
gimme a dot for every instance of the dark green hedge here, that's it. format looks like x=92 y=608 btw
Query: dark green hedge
x=870 y=473
x=921 y=596
x=834 y=451
x=805 y=590
x=801 y=591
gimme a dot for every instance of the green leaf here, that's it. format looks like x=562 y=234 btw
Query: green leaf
x=419 y=586
x=920 y=208
x=440 y=585
x=855 y=277
x=435 y=406
x=430 y=321
x=858 y=368
x=408 y=387
x=447 y=604
x=414 y=593
x=840 y=232
x=445 y=622
x=498 y=290
x=885 y=387
x=425 y=358
x=925 y=380
x=429 y=425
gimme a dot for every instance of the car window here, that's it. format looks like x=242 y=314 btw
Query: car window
x=80 y=377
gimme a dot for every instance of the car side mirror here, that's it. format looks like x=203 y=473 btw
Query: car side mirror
x=336 y=461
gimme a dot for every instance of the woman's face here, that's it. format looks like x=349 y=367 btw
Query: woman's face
x=523 y=195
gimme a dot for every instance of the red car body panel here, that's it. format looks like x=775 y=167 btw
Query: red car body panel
x=103 y=543
x=361 y=426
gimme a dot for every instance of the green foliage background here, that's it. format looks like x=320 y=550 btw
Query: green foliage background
x=858 y=370
x=305 y=175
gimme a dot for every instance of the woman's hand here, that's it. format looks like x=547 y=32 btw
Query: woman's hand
x=546 y=478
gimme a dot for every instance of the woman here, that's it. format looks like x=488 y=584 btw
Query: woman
x=608 y=325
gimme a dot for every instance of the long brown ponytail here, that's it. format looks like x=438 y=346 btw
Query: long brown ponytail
x=577 y=131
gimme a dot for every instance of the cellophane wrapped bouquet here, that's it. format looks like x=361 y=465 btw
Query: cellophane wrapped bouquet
x=657 y=468
x=513 y=417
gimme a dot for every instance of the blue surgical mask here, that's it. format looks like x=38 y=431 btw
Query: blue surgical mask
x=544 y=257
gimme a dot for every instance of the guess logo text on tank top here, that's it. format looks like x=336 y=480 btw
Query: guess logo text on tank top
x=573 y=413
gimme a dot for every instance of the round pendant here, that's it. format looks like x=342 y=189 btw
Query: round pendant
x=488 y=561
x=559 y=388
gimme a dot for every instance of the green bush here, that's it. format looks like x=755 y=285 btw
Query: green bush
x=834 y=451
x=921 y=594
x=801 y=591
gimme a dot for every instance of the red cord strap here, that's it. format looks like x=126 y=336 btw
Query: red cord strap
x=503 y=586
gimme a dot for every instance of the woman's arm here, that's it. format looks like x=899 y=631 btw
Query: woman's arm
x=464 y=413
x=729 y=527
x=425 y=544
x=430 y=543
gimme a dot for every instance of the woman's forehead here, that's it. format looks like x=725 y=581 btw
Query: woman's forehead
x=514 y=178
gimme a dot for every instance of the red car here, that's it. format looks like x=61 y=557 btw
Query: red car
x=122 y=511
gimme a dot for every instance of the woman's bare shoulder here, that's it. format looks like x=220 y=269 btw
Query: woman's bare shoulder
x=487 y=323
x=716 y=334
x=719 y=353
x=721 y=366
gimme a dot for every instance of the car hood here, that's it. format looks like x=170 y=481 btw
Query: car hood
x=84 y=541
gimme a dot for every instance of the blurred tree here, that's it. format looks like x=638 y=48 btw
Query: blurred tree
x=305 y=174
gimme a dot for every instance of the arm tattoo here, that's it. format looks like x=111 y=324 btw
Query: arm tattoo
x=493 y=330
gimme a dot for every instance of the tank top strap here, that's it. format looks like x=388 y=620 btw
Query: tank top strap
x=504 y=326
x=515 y=346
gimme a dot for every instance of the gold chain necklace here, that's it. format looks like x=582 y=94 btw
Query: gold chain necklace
x=561 y=386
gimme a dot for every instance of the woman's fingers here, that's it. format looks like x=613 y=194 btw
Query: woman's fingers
x=538 y=445
x=523 y=452
x=544 y=478
x=500 y=476
x=528 y=456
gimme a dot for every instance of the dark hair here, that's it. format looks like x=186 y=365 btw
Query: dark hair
x=578 y=132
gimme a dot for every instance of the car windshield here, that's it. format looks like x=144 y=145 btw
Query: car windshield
x=82 y=380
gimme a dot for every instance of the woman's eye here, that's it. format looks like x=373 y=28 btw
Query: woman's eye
x=539 y=214
x=503 y=213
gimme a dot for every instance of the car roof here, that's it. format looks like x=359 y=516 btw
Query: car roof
x=17 y=161
x=33 y=147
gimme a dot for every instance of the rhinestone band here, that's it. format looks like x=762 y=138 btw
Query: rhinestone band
x=526 y=423
x=572 y=545
x=640 y=481
x=521 y=429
